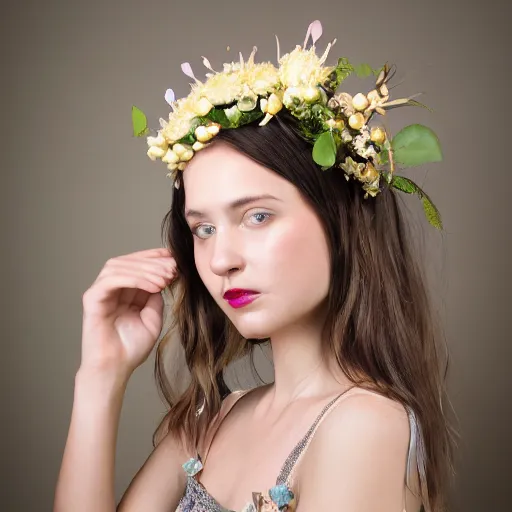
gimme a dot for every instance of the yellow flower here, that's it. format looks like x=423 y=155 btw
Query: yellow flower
x=184 y=111
x=303 y=68
x=261 y=78
x=240 y=80
x=222 y=88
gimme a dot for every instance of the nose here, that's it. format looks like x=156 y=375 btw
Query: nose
x=227 y=253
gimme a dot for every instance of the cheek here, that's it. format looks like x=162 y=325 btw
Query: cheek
x=297 y=254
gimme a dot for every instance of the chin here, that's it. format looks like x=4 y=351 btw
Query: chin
x=251 y=333
x=251 y=330
x=256 y=325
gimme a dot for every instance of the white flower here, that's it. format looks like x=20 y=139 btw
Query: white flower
x=361 y=139
x=362 y=149
x=360 y=144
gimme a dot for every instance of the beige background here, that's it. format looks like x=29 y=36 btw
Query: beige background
x=78 y=189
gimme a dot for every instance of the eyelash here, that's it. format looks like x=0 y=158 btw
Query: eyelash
x=196 y=227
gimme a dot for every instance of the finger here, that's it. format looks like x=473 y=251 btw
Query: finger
x=160 y=276
x=105 y=288
x=149 y=253
x=155 y=273
x=159 y=267
x=151 y=315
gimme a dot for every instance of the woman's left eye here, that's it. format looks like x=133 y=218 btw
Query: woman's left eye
x=260 y=217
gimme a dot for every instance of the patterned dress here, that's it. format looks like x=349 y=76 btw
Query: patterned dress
x=279 y=498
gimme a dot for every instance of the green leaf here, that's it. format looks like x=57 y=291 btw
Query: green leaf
x=190 y=137
x=238 y=118
x=409 y=187
x=219 y=116
x=415 y=145
x=324 y=150
x=139 y=122
x=231 y=117
x=363 y=70
x=432 y=213
x=249 y=117
x=187 y=139
x=342 y=70
x=405 y=185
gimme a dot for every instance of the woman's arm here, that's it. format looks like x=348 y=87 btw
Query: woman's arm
x=160 y=483
x=357 y=460
x=86 y=479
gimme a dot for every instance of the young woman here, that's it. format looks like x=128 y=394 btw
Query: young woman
x=267 y=246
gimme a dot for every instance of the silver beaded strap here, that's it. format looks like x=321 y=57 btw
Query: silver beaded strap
x=292 y=459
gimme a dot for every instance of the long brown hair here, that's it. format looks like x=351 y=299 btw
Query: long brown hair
x=380 y=325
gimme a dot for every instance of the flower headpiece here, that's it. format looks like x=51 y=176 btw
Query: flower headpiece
x=335 y=123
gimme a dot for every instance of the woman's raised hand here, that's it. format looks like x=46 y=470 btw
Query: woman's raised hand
x=123 y=311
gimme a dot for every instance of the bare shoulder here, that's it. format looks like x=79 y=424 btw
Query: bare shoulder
x=362 y=413
x=358 y=455
x=363 y=422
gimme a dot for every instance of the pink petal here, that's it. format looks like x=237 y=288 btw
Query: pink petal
x=207 y=65
x=169 y=96
x=187 y=69
x=315 y=30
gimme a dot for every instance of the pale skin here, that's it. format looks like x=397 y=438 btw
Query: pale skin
x=356 y=461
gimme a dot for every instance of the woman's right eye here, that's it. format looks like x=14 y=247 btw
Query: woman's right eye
x=203 y=231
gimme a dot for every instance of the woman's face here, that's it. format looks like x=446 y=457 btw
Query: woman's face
x=253 y=231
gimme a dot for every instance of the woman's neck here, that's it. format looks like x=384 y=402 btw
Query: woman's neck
x=301 y=370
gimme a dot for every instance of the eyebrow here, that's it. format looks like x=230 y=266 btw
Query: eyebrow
x=238 y=203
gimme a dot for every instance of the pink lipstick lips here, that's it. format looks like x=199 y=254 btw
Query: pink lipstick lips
x=238 y=297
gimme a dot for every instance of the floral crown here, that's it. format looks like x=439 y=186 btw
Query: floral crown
x=336 y=124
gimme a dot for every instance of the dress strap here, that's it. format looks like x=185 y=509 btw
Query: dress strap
x=413 y=462
x=227 y=404
x=287 y=471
